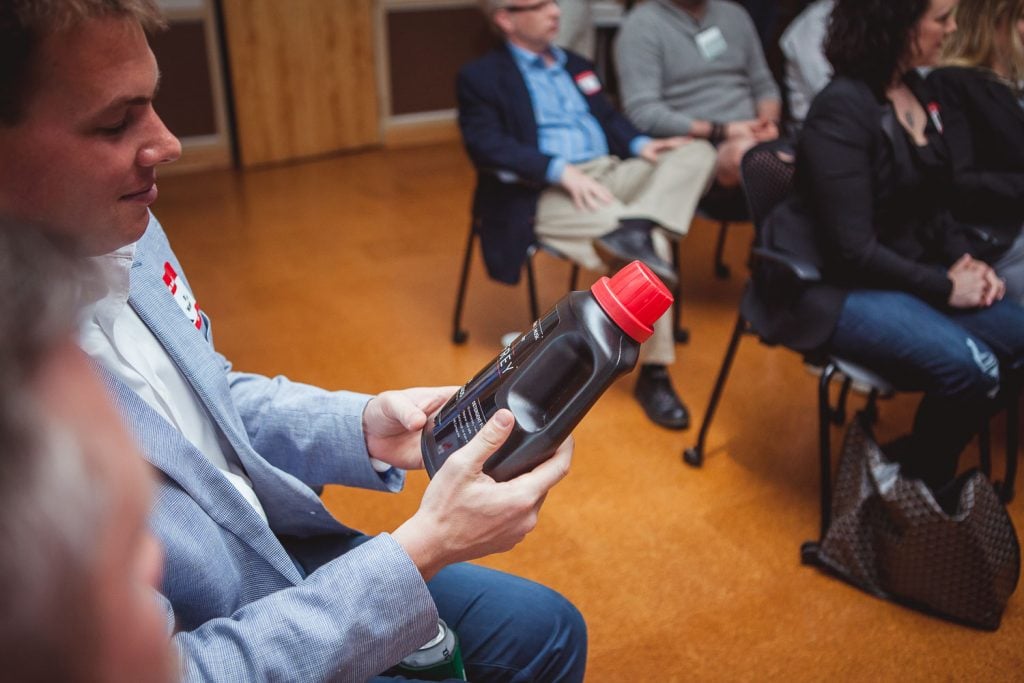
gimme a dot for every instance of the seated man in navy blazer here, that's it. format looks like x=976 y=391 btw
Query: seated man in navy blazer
x=261 y=583
x=560 y=165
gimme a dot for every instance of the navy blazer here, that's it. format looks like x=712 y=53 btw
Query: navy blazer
x=984 y=129
x=499 y=130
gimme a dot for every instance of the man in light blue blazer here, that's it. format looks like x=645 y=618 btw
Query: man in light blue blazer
x=261 y=583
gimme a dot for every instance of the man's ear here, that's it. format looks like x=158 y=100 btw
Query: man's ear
x=503 y=20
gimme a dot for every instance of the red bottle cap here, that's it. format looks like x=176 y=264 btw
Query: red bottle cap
x=633 y=298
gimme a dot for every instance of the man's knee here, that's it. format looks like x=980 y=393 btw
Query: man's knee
x=696 y=153
x=730 y=154
x=566 y=642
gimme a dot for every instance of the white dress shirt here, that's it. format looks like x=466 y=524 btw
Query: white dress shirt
x=114 y=336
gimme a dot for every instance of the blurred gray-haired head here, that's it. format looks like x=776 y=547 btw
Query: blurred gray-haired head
x=50 y=500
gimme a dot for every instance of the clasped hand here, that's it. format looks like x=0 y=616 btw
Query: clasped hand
x=975 y=284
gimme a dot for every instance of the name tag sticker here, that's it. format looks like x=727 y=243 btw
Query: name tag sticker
x=588 y=83
x=711 y=43
x=187 y=302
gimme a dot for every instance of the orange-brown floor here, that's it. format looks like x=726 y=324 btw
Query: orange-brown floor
x=342 y=272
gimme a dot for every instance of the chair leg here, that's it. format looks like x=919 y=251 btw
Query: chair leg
x=871 y=406
x=838 y=415
x=985 y=449
x=1012 y=441
x=459 y=335
x=680 y=333
x=810 y=551
x=574 y=278
x=825 y=445
x=694 y=456
x=721 y=269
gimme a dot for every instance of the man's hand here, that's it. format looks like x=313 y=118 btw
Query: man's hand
x=975 y=284
x=587 y=194
x=655 y=147
x=765 y=130
x=393 y=420
x=465 y=514
x=735 y=130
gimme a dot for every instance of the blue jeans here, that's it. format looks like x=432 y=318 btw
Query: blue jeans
x=952 y=355
x=510 y=629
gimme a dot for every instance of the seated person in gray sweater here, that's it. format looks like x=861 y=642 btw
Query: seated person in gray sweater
x=696 y=67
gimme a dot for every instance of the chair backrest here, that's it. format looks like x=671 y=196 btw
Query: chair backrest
x=767 y=171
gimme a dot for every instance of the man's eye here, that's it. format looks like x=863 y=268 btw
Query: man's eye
x=115 y=129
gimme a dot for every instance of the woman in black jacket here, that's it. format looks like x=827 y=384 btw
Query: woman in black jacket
x=870 y=174
x=981 y=107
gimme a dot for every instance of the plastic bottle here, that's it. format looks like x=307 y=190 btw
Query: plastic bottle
x=550 y=376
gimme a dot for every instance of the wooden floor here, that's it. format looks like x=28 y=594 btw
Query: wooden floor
x=342 y=272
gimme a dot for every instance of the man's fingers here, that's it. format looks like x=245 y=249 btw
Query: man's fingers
x=593 y=197
x=603 y=194
x=488 y=440
x=545 y=475
x=578 y=201
x=404 y=410
x=437 y=398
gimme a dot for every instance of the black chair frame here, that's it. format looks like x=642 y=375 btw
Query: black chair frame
x=724 y=208
x=459 y=334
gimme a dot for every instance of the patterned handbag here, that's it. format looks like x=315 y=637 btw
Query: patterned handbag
x=890 y=537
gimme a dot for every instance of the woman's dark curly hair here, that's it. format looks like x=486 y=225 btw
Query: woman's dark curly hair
x=867 y=39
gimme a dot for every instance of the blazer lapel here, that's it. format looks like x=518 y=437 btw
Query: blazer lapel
x=168 y=451
x=184 y=344
x=517 y=96
x=293 y=508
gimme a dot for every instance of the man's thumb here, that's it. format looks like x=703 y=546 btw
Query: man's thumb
x=488 y=440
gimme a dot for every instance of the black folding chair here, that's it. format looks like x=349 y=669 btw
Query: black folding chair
x=721 y=206
x=460 y=335
x=724 y=206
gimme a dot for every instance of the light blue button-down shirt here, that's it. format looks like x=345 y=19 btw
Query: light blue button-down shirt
x=566 y=130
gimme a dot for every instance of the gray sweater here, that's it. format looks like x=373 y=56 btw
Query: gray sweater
x=665 y=81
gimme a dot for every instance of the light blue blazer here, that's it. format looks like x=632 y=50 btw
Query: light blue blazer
x=242 y=607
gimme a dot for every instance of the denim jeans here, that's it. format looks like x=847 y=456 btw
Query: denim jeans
x=952 y=355
x=509 y=628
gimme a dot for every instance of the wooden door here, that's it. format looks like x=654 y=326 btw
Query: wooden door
x=303 y=77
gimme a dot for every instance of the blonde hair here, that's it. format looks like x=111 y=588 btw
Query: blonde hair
x=974 y=42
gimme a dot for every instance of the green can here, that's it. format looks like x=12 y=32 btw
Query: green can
x=438 y=659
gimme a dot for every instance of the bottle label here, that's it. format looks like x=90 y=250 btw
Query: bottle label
x=468 y=410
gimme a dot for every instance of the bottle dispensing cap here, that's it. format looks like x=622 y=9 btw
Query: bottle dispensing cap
x=633 y=298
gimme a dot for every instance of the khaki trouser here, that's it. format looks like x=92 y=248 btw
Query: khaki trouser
x=666 y=193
